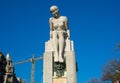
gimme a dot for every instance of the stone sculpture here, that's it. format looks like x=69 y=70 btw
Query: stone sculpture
x=9 y=75
x=59 y=57
x=58 y=32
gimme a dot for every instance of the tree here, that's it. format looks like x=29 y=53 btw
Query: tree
x=94 y=80
x=111 y=71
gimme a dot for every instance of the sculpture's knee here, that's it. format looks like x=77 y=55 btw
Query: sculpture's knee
x=54 y=34
x=61 y=34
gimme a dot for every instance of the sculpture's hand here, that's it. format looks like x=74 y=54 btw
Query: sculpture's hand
x=68 y=34
x=51 y=34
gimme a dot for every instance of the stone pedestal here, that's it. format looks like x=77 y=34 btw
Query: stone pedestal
x=48 y=67
x=60 y=80
x=70 y=72
x=71 y=67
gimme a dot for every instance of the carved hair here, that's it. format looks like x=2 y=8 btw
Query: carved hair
x=53 y=8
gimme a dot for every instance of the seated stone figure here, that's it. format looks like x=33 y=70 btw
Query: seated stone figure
x=58 y=33
x=59 y=57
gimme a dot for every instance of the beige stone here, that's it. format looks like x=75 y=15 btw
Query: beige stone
x=71 y=67
x=47 y=68
x=58 y=33
x=60 y=80
x=58 y=48
x=68 y=47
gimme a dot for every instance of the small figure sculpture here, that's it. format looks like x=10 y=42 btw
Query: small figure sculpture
x=58 y=32
x=9 y=66
x=9 y=70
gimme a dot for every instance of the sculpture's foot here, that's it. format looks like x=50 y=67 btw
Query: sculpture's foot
x=56 y=57
x=61 y=59
x=56 y=60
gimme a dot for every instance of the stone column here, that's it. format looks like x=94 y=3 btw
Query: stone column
x=47 y=67
x=69 y=74
x=71 y=67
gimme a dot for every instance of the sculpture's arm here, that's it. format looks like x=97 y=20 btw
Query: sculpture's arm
x=51 y=27
x=68 y=32
x=66 y=28
x=66 y=23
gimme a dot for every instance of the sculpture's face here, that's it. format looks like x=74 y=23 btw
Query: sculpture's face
x=54 y=10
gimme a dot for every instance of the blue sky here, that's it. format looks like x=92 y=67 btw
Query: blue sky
x=94 y=26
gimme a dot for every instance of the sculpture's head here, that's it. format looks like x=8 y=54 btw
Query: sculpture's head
x=54 y=10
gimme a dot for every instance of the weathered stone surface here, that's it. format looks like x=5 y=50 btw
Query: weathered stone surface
x=59 y=57
x=70 y=60
x=60 y=80
x=68 y=46
x=47 y=68
x=71 y=67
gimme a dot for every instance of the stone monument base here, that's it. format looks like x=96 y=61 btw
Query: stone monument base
x=60 y=80
x=49 y=75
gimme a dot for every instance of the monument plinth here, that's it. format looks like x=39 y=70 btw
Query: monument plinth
x=59 y=57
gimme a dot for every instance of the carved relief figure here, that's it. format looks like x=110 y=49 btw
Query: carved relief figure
x=58 y=32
